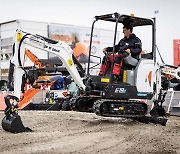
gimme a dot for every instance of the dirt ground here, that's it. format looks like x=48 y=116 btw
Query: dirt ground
x=74 y=132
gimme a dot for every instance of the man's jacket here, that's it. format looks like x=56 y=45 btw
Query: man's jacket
x=133 y=43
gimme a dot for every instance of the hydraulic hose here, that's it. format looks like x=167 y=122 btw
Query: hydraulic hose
x=20 y=43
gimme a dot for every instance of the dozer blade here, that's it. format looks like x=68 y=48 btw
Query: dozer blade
x=156 y=120
x=158 y=111
x=12 y=123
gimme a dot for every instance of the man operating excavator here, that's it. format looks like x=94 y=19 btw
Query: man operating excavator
x=130 y=44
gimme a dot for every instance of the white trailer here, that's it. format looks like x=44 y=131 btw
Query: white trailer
x=7 y=32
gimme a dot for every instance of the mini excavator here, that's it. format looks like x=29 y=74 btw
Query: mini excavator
x=141 y=79
x=100 y=94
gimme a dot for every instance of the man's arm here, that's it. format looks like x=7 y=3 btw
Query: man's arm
x=110 y=49
x=137 y=48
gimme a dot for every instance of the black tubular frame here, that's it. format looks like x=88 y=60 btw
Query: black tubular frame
x=118 y=18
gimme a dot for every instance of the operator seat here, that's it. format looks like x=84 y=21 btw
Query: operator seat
x=131 y=66
x=130 y=61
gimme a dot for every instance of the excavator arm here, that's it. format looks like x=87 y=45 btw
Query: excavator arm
x=24 y=44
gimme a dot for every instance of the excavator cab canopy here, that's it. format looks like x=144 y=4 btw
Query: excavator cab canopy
x=125 y=19
x=128 y=20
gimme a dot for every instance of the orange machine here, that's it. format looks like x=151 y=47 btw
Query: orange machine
x=33 y=58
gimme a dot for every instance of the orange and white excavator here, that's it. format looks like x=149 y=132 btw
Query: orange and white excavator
x=30 y=92
x=33 y=58
x=27 y=95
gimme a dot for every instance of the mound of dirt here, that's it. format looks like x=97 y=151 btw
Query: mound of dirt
x=76 y=132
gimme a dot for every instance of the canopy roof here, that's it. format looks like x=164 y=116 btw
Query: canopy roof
x=125 y=19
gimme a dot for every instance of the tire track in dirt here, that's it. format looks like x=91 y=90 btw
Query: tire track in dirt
x=75 y=132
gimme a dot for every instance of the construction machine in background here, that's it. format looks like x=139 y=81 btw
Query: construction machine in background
x=100 y=94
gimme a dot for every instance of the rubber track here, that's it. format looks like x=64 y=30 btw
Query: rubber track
x=99 y=102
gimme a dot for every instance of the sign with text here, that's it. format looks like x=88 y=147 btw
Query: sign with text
x=78 y=38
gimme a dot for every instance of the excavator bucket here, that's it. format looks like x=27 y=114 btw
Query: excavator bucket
x=12 y=121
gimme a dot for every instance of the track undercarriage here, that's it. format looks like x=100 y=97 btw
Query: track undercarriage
x=120 y=108
x=132 y=108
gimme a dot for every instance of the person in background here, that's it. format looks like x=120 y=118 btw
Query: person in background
x=59 y=84
x=72 y=92
x=130 y=44
x=4 y=86
x=27 y=85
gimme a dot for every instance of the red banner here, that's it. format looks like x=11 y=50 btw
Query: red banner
x=176 y=44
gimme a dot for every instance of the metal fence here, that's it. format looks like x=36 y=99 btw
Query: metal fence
x=172 y=102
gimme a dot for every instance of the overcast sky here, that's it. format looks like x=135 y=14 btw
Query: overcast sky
x=82 y=12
